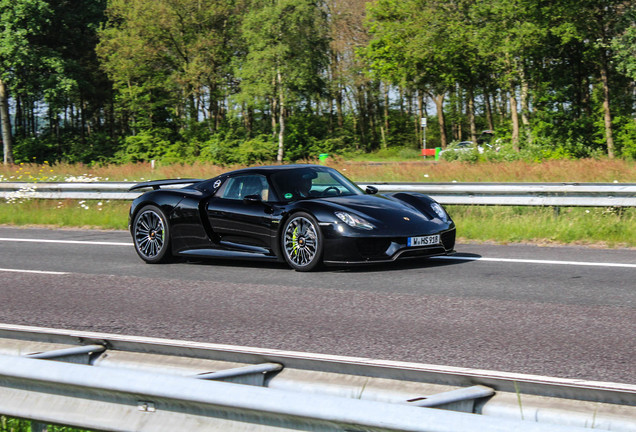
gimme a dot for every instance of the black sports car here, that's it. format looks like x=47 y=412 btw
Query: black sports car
x=303 y=214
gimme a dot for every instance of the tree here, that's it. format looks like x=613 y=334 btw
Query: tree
x=47 y=63
x=20 y=22
x=624 y=45
x=286 y=54
x=7 y=139
x=598 y=27
x=508 y=33
x=169 y=59
x=424 y=45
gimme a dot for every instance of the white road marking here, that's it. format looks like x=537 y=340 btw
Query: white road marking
x=449 y=257
x=81 y=242
x=33 y=271
x=532 y=261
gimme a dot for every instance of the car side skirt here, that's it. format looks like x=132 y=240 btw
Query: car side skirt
x=227 y=254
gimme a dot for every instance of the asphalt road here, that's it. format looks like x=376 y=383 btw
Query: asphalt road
x=556 y=311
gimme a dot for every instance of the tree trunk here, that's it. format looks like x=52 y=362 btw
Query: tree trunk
x=609 y=137
x=373 y=110
x=439 y=104
x=386 y=108
x=281 y=118
x=515 y=121
x=5 y=123
x=274 y=107
x=525 y=105
x=339 y=108
x=418 y=120
x=19 y=119
x=501 y=105
x=491 y=125
x=471 y=114
x=363 y=114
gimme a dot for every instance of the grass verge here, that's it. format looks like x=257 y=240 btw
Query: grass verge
x=66 y=213
x=580 y=170
x=9 y=424
x=603 y=227
x=543 y=225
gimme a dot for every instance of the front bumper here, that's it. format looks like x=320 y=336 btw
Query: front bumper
x=361 y=250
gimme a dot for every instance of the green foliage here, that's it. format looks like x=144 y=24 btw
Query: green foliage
x=147 y=145
x=66 y=147
x=21 y=61
x=387 y=154
x=8 y=424
x=228 y=150
x=185 y=81
x=160 y=54
x=461 y=156
x=624 y=46
x=34 y=149
x=285 y=37
x=626 y=137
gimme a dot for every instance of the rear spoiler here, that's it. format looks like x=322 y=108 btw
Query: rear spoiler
x=157 y=184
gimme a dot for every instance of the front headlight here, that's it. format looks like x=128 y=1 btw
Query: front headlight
x=354 y=221
x=439 y=210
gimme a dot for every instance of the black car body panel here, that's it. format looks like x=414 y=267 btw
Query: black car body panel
x=214 y=218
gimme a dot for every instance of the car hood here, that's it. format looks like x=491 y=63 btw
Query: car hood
x=388 y=213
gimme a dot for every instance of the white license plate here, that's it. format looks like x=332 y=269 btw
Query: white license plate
x=423 y=241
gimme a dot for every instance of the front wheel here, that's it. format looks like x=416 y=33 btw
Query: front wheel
x=302 y=242
x=151 y=235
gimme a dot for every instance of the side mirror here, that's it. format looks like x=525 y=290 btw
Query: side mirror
x=252 y=199
x=371 y=190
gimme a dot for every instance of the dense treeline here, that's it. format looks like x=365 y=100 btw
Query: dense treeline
x=258 y=80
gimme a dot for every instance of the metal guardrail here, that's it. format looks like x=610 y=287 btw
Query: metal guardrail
x=522 y=194
x=113 y=382
x=518 y=194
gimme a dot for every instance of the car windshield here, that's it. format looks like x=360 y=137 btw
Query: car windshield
x=312 y=182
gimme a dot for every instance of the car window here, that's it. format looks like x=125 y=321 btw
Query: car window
x=237 y=188
x=323 y=182
x=303 y=183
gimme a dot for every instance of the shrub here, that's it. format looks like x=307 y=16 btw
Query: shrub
x=226 y=150
x=146 y=145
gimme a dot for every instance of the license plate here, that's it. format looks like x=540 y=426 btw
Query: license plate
x=423 y=241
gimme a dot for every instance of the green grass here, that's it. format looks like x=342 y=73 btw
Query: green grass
x=546 y=225
x=66 y=213
x=543 y=225
x=8 y=424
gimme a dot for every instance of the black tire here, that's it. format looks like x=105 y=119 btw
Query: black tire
x=301 y=242
x=151 y=235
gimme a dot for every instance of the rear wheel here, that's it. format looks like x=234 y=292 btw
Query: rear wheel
x=151 y=235
x=301 y=242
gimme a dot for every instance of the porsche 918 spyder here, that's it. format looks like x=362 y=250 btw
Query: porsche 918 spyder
x=305 y=215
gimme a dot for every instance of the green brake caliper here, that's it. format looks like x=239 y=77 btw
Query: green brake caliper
x=294 y=242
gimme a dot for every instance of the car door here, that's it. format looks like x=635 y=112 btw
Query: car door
x=240 y=223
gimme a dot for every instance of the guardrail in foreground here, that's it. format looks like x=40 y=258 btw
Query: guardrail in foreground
x=520 y=194
x=113 y=382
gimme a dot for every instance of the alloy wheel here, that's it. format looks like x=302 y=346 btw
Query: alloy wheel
x=301 y=242
x=150 y=234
